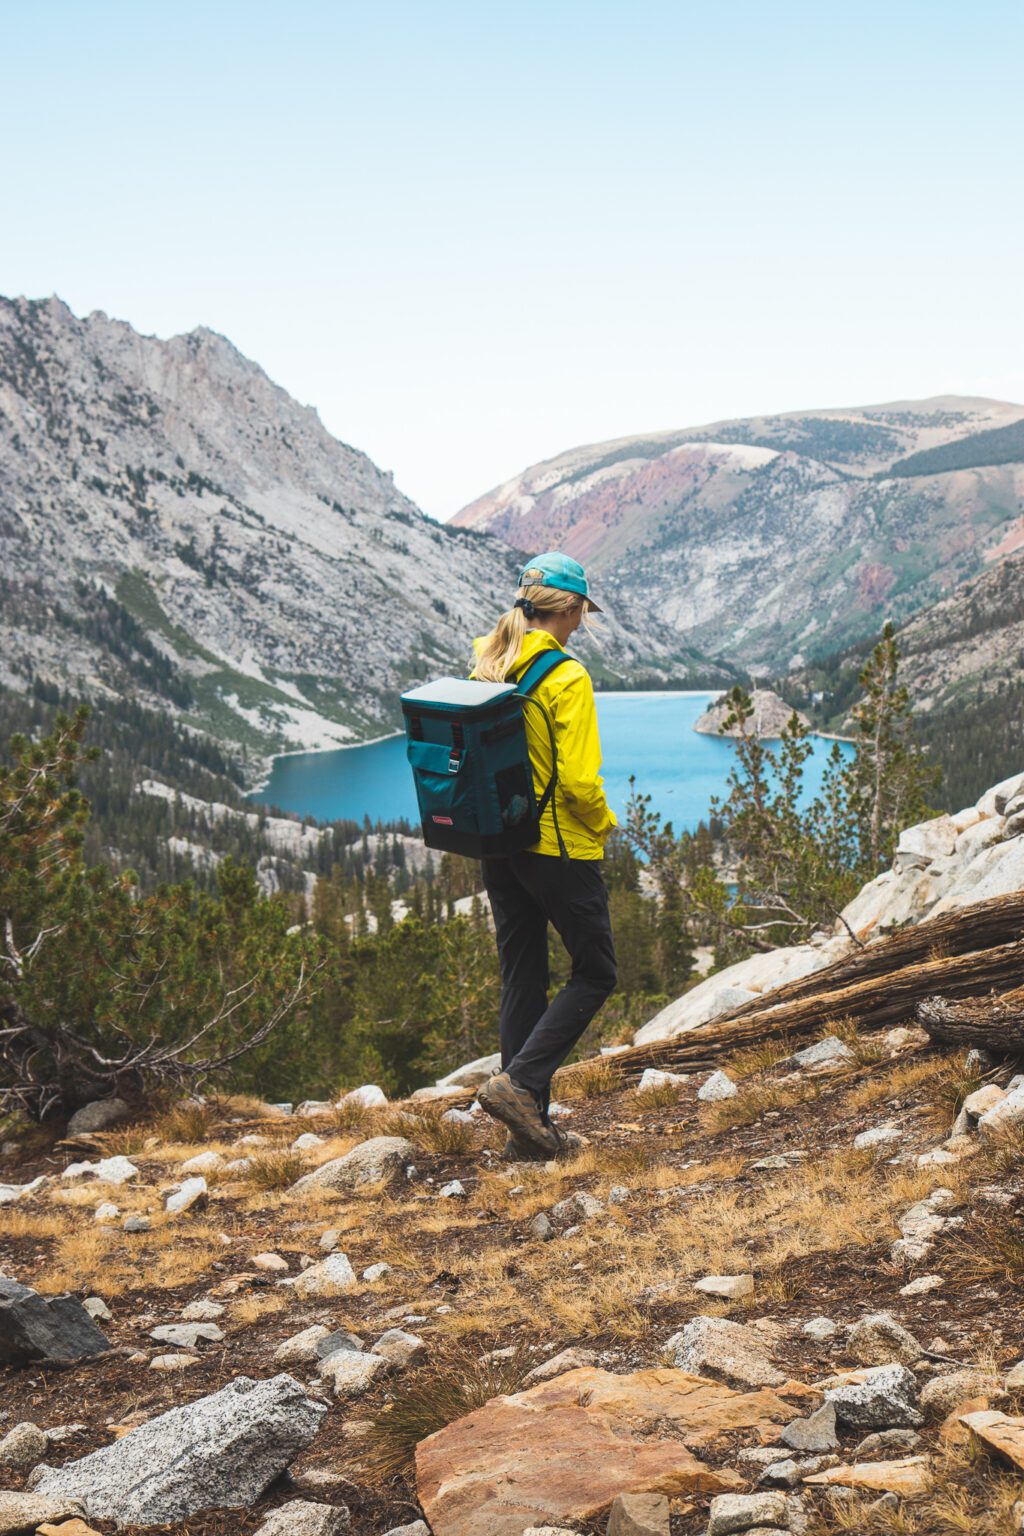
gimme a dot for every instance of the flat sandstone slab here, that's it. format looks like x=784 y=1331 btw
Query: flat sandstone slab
x=1000 y=1432
x=562 y=1451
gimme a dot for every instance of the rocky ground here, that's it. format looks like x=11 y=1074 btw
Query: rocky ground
x=678 y=1306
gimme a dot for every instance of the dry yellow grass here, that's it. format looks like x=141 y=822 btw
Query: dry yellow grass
x=895 y=1081
x=250 y=1309
x=591 y=1079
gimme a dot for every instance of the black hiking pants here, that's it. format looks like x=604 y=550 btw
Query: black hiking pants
x=527 y=891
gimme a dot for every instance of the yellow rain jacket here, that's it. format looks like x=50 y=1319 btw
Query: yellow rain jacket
x=567 y=694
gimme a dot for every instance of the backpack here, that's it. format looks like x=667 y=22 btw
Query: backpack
x=466 y=744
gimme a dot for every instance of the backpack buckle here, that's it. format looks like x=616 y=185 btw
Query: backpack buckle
x=454 y=763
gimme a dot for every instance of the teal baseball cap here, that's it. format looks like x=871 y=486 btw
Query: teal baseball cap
x=557 y=570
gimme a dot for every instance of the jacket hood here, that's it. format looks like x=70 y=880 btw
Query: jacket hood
x=534 y=641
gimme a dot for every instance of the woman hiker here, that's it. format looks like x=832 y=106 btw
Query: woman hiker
x=541 y=885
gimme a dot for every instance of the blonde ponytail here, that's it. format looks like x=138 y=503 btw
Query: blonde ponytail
x=499 y=650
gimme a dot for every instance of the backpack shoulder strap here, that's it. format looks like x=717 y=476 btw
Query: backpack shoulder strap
x=539 y=668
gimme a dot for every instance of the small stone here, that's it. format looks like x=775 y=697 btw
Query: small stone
x=820 y=1328
x=300 y=1517
x=922 y=1285
x=135 y=1224
x=109 y=1170
x=271 y=1262
x=830 y=1052
x=653 y=1077
x=944 y=1393
x=577 y=1208
x=307 y=1142
x=330 y=1240
x=375 y=1272
x=727 y=1351
x=540 y=1228
x=187 y=1335
x=189 y=1196
x=880 y=1339
x=97 y=1116
x=74 y=1527
x=351 y=1374
x=718 y=1086
x=203 y=1162
x=301 y=1348
x=877 y=1135
x=731 y=1287
x=815 y=1433
x=572 y=1359
x=400 y=1349
x=376 y=1161
x=106 y=1212
x=202 y=1311
x=1014 y=1378
x=369 y=1096
x=23 y=1447
x=452 y=1191
x=24 y=1512
x=418 y=1528
x=885 y=1399
x=639 y=1514
x=170 y=1363
x=618 y=1194
x=458 y=1117
x=887 y=1440
x=339 y=1339
x=731 y=1512
x=333 y=1276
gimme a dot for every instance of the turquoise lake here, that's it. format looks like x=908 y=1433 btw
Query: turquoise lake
x=649 y=735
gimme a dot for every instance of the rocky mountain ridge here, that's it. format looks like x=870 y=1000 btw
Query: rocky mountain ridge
x=773 y=540
x=175 y=528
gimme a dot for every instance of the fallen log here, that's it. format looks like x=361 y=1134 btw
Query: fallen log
x=876 y=1002
x=986 y=924
x=994 y=1023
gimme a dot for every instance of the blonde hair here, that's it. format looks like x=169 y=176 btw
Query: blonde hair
x=500 y=649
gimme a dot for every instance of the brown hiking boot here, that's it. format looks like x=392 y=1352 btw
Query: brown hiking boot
x=517 y=1108
x=515 y=1151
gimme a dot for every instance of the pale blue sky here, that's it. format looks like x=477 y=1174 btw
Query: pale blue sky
x=473 y=236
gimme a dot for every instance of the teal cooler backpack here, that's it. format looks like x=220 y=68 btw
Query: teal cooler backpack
x=466 y=742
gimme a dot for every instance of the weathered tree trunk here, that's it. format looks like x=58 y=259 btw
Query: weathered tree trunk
x=874 y=1002
x=994 y=1023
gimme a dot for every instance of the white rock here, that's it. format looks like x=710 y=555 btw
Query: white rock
x=333 y=1276
x=718 y=1086
x=351 y=1374
x=307 y=1141
x=106 y=1211
x=178 y=1362
x=731 y=1287
x=730 y=988
x=734 y=1512
x=192 y=1193
x=820 y=1328
x=922 y=1285
x=886 y=1399
x=877 y=1135
x=995 y=800
x=400 y=1349
x=273 y=1263
x=187 y=1335
x=10 y=1193
x=458 y=1117
x=369 y=1096
x=202 y=1311
x=472 y=1073
x=1008 y=1112
x=827 y=1052
x=300 y=1349
x=203 y=1162
x=653 y=1077
x=918 y=846
x=375 y=1272
x=109 y=1170
x=98 y=1309
x=23 y=1447
x=312 y=1107
x=371 y=1162
x=300 y=1517
x=452 y=1191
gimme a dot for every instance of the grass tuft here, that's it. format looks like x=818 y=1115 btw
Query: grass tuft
x=188 y=1121
x=435 y=1396
x=591 y=1079
x=275 y=1170
x=659 y=1096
